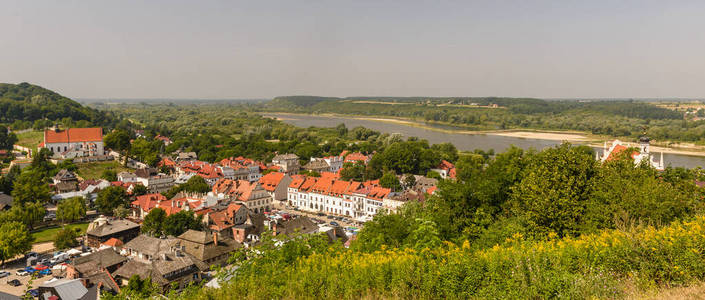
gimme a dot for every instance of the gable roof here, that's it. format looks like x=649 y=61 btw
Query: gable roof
x=112 y=226
x=73 y=135
x=298 y=225
x=618 y=149
x=271 y=181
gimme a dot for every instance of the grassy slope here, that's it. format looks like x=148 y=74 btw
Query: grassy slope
x=47 y=234
x=30 y=139
x=94 y=170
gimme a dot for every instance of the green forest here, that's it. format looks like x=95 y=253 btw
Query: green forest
x=24 y=106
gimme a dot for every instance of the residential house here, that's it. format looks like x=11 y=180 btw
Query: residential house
x=63 y=289
x=167 y=141
x=96 y=268
x=154 y=181
x=127 y=177
x=163 y=260
x=186 y=156
x=242 y=168
x=300 y=225
x=288 y=163
x=211 y=248
x=357 y=157
x=395 y=200
x=446 y=169
x=317 y=165
x=103 y=229
x=276 y=184
x=252 y=194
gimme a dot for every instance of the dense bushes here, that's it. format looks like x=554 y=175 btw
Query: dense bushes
x=606 y=264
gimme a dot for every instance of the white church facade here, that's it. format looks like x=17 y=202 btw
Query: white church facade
x=643 y=153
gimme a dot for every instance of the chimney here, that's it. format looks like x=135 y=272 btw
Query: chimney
x=215 y=238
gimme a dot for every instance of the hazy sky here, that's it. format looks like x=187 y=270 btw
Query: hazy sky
x=246 y=49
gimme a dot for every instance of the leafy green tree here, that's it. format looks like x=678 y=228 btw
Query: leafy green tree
x=390 y=181
x=41 y=166
x=71 y=210
x=180 y=222
x=469 y=166
x=121 y=211
x=195 y=184
x=110 y=198
x=352 y=171
x=154 y=222
x=7 y=138
x=434 y=175
x=7 y=181
x=65 y=238
x=119 y=140
x=109 y=175
x=554 y=191
x=14 y=240
x=29 y=214
x=30 y=187
x=424 y=236
x=139 y=190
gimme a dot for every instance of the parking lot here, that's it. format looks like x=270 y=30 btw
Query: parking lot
x=322 y=219
x=12 y=267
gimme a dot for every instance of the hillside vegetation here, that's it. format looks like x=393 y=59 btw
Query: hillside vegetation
x=25 y=106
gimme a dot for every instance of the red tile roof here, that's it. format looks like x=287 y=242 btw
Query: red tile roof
x=271 y=181
x=148 y=202
x=445 y=165
x=357 y=156
x=73 y=135
x=618 y=149
x=113 y=242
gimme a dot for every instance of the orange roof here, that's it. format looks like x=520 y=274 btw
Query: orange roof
x=322 y=186
x=431 y=190
x=308 y=183
x=357 y=156
x=339 y=187
x=445 y=165
x=148 y=201
x=330 y=175
x=166 y=162
x=271 y=181
x=297 y=181
x=113 y=242
x=73 y=135
x=378 y=193
x=618 y=149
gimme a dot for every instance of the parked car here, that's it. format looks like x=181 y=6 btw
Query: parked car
x=329 y=217
x=14 y=282
x=59 y=257
x=30 y=270
x=4 y=274
x=320 y=214
x=45 y=272
x=44 y=262
x=34 y=293
x=334 y=223
x=31 y=254
x=22 y=272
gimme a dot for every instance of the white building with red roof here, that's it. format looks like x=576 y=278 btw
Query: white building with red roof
x=74 y=142
x=446 y=169
x=642 y=153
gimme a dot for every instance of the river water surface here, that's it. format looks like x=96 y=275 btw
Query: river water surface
x=462 y=141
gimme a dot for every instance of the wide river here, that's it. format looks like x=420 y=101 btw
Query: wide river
x=461 y=140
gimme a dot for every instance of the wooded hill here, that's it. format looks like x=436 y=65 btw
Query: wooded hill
x=23 y=104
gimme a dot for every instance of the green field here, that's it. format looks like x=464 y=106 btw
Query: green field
x=30 y=139
x=95 y=169
x=47 y=234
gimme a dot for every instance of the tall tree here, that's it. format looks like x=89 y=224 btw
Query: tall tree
x=554 y=191
x=7 y=138
x=14 y=240
x=119 y=140
x=154 y=222
x=182 y=221
x=70 y=210
x=65 y=238
x=30 y=187
x=110 y=198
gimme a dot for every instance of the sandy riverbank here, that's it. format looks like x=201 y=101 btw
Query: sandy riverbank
x=573 y=137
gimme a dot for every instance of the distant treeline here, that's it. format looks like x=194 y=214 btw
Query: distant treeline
x=622 y=118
